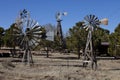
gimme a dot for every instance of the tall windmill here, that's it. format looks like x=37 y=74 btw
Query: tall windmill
x=91 y=21
x=59 y=28
x=28 y=34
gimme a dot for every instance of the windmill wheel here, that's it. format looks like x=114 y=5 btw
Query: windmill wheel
x=91 y=21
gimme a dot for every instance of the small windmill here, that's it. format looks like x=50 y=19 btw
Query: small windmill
x=91 y=21
x=28 y=34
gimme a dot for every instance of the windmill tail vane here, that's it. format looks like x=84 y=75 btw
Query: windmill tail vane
x=104 y=21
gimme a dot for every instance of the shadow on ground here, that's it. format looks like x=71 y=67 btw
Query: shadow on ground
x=66 y=58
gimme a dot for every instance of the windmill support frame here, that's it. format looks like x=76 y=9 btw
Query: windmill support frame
x=89 y=54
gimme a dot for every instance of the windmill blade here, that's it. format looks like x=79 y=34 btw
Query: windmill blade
x=32 y=43
x=36 y=40
x=98 y=23
x=87 y=18
x=16 y=35
x=84 y=27
x=96 y=18
x=33 y=24
x=35 y=27
x=36 y=36
x=30 y=23
x=93 y=16
x=36 y=33
x=90 y=17
x=36 y=30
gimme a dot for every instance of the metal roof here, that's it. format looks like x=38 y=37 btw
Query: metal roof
x=105 y=43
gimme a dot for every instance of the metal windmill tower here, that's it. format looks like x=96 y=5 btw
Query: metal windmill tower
x=27 y=33
x=91 y=21
x=59 y=28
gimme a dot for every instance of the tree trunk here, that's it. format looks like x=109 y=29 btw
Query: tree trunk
x=78 y=51
x=47 y=51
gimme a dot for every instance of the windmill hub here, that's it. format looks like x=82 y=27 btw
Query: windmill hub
x=27 y=29
x=91 y=22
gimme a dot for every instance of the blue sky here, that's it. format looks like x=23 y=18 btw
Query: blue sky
x=44 y=11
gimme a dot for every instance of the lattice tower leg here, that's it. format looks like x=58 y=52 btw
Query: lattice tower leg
x=27 y=57
x=31 y=58
x=24 y=59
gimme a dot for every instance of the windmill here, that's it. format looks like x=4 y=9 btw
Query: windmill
x=28 y=33
x=91 y=21
x=59 y=32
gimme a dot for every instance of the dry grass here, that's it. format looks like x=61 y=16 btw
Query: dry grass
x=58 y=67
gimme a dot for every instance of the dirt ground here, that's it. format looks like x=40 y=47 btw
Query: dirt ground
x=58 y=67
